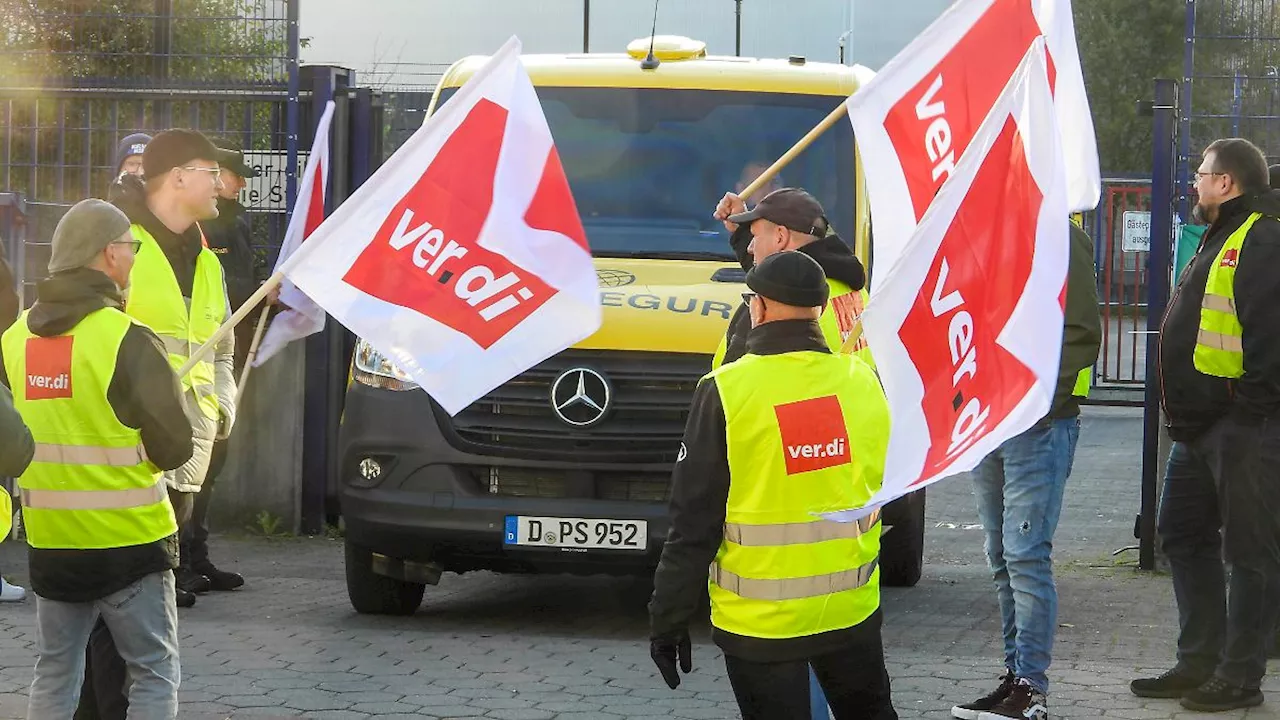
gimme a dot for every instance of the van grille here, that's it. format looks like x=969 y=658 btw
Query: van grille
x=622 y=486
x=651 y=394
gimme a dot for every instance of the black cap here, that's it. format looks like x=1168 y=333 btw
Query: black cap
x=1275 y=177
x=791 y=208
x=175 y=148
x=791 y=278
x=232 y=158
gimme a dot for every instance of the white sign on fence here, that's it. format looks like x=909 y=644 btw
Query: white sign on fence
x=266 y=193
x=1137 y=231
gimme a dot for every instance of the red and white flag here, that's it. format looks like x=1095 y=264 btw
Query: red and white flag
x=463 y=259
x=967 y=326
x=301 y=316
x=915 y=119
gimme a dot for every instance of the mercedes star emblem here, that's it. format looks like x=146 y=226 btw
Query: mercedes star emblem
x=581 y=397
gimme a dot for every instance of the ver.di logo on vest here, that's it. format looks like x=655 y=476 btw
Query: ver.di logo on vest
x=814 y=435
x=49 y=367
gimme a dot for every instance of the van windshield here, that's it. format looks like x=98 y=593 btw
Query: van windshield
x=647 y=166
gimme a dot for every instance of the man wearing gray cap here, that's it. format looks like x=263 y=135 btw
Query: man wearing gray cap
x=107 y=414
x=785 y=432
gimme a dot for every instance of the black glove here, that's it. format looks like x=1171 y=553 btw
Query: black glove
x=664 y=650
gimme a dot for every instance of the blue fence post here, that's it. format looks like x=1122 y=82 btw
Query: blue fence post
x=817 y=700
x=1158 y=272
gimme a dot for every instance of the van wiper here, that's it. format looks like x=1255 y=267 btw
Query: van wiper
x=667 y=255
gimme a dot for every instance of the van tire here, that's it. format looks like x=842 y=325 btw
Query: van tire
x=902 y=548
x=374 y=594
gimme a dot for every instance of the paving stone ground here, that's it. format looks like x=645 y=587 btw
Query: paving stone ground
x=288 y=646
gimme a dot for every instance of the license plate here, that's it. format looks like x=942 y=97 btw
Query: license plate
x=574 y=533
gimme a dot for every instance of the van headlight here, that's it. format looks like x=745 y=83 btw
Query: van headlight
x=374 y=369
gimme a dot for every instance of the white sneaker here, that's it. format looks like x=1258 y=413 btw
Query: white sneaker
x=11 y=593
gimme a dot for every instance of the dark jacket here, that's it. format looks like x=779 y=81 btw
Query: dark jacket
x=835 y=257
x=16 y=446
x=1082 y=332
x=145 y=394
x=10 y=304
x=1194 y=402
x=230 y=239
x=699 y=500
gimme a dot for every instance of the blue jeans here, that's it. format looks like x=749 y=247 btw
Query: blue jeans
x=1019 y=489
x=143 y=619
x=1221 y=500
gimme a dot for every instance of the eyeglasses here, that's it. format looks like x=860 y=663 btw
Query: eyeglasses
x=1203 y=175
x=137 y=244
x=747 y=297
x=216 y=171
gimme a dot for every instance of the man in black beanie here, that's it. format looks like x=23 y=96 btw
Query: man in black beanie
x=787 y=431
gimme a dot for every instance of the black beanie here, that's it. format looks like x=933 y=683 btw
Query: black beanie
x=791 y=278
x=175 y=148
x=134 y=144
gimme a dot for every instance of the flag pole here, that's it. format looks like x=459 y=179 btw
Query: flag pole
x=854 y=336
x=795 y=150
x=253 y=351
x=199 y=355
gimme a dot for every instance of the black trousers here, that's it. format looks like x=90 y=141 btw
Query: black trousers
x=194 y=539
x=1221 y=499
x=102 y=695
x=854 y=679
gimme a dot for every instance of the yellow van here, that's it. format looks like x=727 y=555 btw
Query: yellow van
x=566 y=468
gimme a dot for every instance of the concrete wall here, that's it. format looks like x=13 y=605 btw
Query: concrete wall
x=264 y=464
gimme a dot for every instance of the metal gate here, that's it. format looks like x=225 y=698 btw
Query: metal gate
x=1121 y=231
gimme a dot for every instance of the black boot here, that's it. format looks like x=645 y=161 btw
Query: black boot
x=219 y=579
x=191 y=581
x=185 y=599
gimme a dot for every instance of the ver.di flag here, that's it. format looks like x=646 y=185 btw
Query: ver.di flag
x=915 y=119
x=463 y=259
x=967 y=327
x=301 y=316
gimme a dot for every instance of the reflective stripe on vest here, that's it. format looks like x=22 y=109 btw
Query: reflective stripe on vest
x=806 y=433
x=1219 y=347
x=156 y=300
x=89 y=485
x=793 y=588
x=89 y=455
x=95 y=499
x=798 y=533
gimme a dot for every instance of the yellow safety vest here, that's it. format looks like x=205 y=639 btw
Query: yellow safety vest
x=155 y=299
x=90 y=485
x=838 y=318
x=807 y=432
x=1220 y=343
x=1083 y=381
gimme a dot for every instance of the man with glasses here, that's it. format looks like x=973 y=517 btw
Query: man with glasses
x=106 y=412
x=1219 y=376
x=178 y=289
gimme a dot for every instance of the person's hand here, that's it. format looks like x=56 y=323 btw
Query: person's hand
x=273 y=296
x=664 y=651
x=730 y=204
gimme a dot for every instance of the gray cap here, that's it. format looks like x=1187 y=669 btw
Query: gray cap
x=84 y=232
